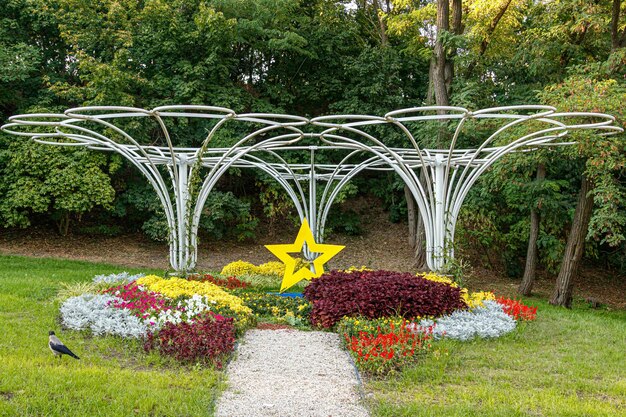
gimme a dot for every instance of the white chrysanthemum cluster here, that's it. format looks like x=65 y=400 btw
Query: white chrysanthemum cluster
x=121 y=278
x=89 y=311
x=484 y=322
x=185 y=310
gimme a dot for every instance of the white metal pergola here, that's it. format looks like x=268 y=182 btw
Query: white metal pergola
x=346 y=142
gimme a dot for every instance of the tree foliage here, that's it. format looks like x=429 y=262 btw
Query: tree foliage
x=312 y=58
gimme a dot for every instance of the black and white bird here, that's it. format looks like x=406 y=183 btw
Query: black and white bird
x=58 y=348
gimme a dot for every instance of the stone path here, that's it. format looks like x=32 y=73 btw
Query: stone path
x=291 y=373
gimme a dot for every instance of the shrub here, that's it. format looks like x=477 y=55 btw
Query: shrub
x=207 y=339
x=374 y=294
x=385 y=351
x=272 y=268
x=484 y=322
x=517 y=310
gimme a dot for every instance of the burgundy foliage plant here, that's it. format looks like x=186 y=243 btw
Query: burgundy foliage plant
x=376 y=294
x=207 y=339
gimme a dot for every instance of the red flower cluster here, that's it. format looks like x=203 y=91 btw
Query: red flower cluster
x=229 y=283
x=517 y=310
x=141 y=303
x=207 y=339
x=375 y=294
x=382 y=352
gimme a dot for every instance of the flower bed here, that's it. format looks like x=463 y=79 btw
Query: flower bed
x=229 y=283
x=192 y=321
x=386 y=318
x=384 y=351
x=379 y=311
x=517 y=310
x=94 y=312
x=375 y=294
x=290 y=310
x=487 y=321
x=207 y=339
x=239 y=268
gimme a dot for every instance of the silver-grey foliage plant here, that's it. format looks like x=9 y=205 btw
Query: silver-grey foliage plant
x=484 y=322
x=121 y=278
x=90 y=311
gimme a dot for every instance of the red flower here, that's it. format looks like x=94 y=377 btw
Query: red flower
x=517 y=310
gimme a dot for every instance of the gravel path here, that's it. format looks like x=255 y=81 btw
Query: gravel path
x=291 y=373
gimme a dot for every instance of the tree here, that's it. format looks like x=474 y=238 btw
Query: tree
x=604 y=160
x=66 y=183
x=528 y=279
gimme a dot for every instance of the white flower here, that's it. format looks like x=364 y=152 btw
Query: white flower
x=186 y=310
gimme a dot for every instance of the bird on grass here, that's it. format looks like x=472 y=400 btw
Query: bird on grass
x=58 y=348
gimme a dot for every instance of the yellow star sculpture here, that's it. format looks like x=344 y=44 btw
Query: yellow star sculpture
x=292 y=277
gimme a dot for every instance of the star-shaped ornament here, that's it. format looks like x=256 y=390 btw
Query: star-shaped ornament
x=282 y=252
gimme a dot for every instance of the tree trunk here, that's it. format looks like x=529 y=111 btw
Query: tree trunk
x=574 y=248
x=417 y=234
x=382 y=29
x=430 y=94
x=615 y=38
x=420 y=245
x=412 y=216
x=439 y=55
x=528 y=280
x=457 y=16
x=457 y=29
x=63 y=224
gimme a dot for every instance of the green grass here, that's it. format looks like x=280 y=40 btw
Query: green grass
x=113 y=378
x=566 y=363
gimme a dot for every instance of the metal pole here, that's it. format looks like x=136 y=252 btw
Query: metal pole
x=310 y=256
x=440 y=227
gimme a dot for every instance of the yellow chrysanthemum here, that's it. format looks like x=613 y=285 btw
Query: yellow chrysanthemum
x=239 y=268
x=276 y=268
x=476 y=299
x=271 y=268
x=471 y=299
x=176 y=287
x=431 y=276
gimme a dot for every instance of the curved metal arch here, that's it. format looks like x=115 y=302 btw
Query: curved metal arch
x=274 y=174
x=325 y=209
x=407 y=175
x=439 y=200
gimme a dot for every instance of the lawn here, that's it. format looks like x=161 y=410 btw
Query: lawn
x=113 y=378
x=566 y=363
